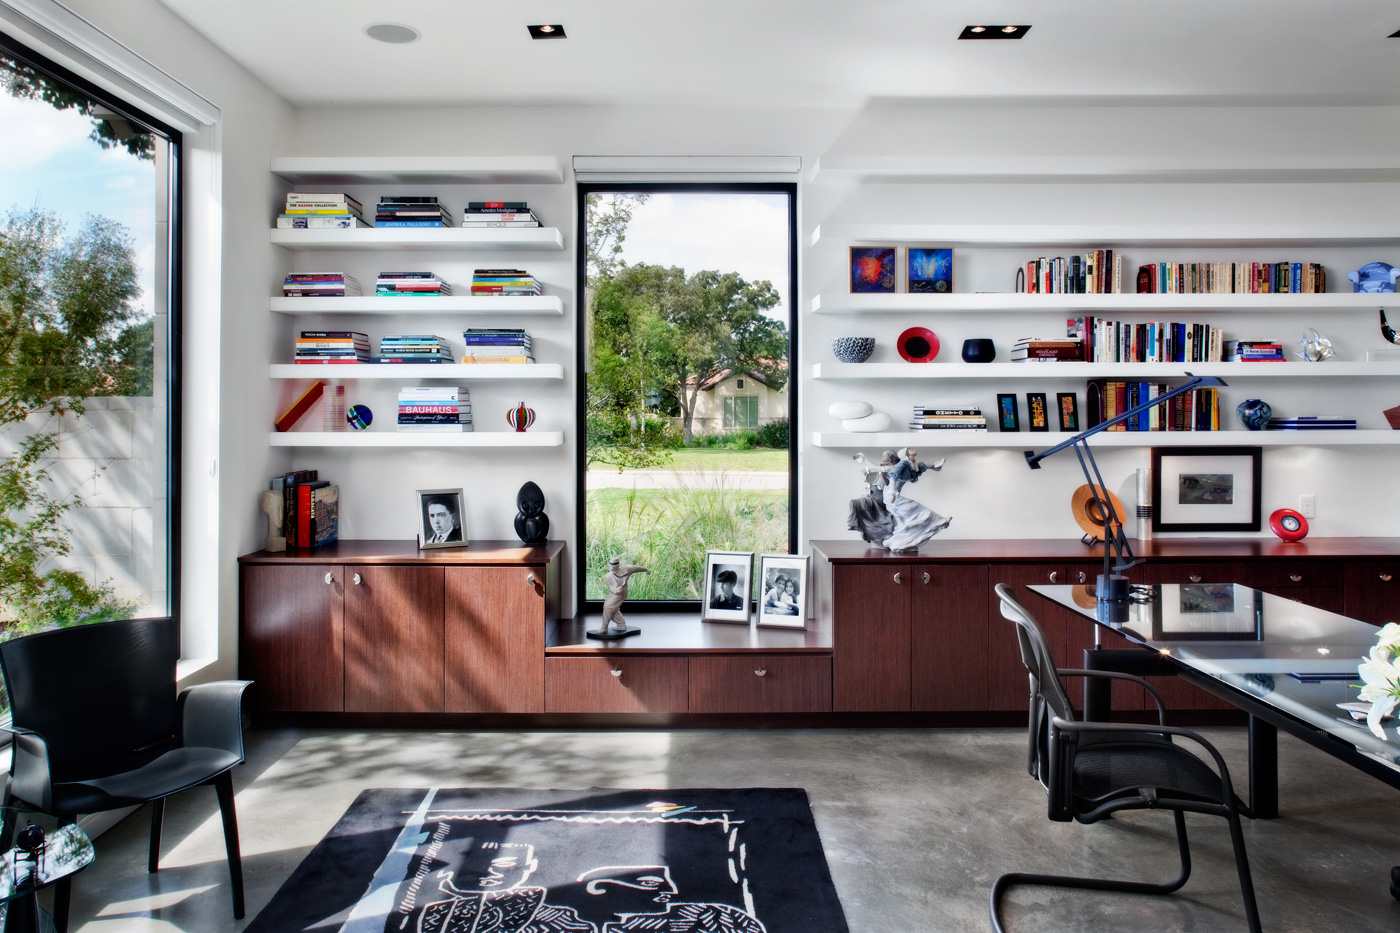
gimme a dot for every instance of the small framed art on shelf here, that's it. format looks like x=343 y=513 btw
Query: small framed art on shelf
x=1037 y=412
x=728 y=583
x=782 y=590
x=872 y=270
x=440 y=518
x=929 y=270
x=1068 y=408
x=1008 y=412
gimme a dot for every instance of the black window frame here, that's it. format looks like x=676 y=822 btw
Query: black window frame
x=581 y=358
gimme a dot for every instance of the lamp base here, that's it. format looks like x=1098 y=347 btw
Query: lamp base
x=1112 y=588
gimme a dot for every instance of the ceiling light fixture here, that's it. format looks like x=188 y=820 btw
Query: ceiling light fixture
x=994 y=32
x=395 y=33
x=548 y=31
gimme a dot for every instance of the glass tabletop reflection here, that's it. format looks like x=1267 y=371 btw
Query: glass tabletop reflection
x=67 y=850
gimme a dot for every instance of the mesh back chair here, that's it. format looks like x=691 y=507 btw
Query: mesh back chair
x=97 y=726
x=1092 y=769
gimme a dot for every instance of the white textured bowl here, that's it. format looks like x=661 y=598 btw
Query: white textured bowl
x=875 y=421
x=844 y=410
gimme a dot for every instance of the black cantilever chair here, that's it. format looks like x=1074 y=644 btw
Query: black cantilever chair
x=1093 y=769
x=97 y=726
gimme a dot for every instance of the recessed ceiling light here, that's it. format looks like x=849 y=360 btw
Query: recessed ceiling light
x=396 y=33
x=994 y=32
x=547 y=31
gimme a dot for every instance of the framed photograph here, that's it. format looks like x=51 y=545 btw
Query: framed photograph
x=1207 y=488
x=872 y=269
x=930 y=270
x=782 y=590
x=1008 y=413
x=441 y=519
x=1036 y=411
x=728 y=583
x=1069 y=411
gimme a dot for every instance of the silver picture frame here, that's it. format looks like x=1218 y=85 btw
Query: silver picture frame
x=726 y=587
x=434 y=505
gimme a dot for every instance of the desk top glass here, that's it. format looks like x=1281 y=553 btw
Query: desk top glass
x=67 y=850
x=1297 y=659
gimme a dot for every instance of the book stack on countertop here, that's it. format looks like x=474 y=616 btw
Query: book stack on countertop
x=487 y=282
x=410 y=283
x=332 y=346
x=1047 y=350
x=1312 y=423
x=434 y=410
x=497 y=345
x=499 y=214
x=321 y=212
x=1254 y=351
x=947 y=418
x=310 y=508
x=414 y=348
x=411 y=210
x=319 y=285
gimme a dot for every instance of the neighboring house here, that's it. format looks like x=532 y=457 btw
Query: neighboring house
x=733 y=401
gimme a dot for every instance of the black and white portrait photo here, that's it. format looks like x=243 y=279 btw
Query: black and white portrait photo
x=727 y=585
x=441 y=522
x=782 y=596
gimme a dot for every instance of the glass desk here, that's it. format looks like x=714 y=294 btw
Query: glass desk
x=1286 y=664
x=67 y=851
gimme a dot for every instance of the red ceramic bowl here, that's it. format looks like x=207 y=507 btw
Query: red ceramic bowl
x=1288 y=525
x=918 y=345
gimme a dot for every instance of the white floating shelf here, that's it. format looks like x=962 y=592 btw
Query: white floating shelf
x=444 y=239
x=395 y=439
x=445 y=304
x=420 y=170
x=335 y=372
x=1279 y=167
x=1003 y=371
x=1099 y=236
x=1025 y=440
x=1000 y=302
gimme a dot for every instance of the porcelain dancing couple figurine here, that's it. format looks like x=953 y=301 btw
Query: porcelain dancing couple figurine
x=885 y=517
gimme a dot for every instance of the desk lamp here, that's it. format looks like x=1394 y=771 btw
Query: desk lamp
x=1117 y=552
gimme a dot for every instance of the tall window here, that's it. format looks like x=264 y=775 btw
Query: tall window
x=87 y=368
x=686 y=396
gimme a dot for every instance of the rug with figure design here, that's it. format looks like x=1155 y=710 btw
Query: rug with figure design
x=497 y=860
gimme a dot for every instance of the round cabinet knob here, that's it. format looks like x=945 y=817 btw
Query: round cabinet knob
x=1296 y=577
x=1083 y=577
x=1054 y=576
x=329 y=579
x=615 y=672
x=896 y=579
x=530 y=580
x=356 y=578
x=926 y=579
x=1385 y=578
x=761 y=672
x=1194 y=578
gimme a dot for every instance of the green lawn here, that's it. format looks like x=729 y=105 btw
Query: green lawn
x=723 y=459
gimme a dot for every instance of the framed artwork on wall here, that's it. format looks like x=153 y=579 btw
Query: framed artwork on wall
x=441 y=518
x=1207 y=488
x=782 y=590
x=1036 y=411
x=728 y=583
x=929 y=270
x=1008 y=412
x=1068 y=408
x=872 y=269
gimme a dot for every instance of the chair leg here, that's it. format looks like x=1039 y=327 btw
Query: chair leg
x=1251 y=907
x=1099 y=884
x=157 y=818
x=223 y=785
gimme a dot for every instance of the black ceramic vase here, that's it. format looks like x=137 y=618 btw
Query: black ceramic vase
x=979 y=350
x=1254 y=413
x=531 y=524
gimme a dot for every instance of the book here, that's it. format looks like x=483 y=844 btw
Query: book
x=502 y=216
x=320 y=198
x=495 y=360
x=476 y=224
x=325 y=516
x=497 y=206
x=320 y=222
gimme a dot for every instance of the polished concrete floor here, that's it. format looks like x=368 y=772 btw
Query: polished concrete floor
x=916 y=825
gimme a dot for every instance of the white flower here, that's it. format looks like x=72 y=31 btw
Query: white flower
x=1381 y=676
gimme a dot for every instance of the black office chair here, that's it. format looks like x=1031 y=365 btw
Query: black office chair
x=97 y=726
x=1091 y=770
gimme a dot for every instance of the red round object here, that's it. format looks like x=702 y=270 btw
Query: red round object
x=1288 y=525
x=918 y=345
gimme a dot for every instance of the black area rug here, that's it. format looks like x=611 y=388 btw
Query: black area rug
x=499 y=860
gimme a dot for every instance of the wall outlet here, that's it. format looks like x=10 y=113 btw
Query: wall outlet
x=1307 y=504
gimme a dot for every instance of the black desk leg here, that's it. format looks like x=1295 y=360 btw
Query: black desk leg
x=1263 y=769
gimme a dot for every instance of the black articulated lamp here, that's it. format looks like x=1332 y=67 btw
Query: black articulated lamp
x=1117 y=552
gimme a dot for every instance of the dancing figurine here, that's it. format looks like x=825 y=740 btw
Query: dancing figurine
x=885 y=517
x=616 y=582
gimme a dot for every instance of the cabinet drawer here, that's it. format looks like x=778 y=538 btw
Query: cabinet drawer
x=1278 y=574
x=1373 y=590
x=1204 y=572
x=760 y=684
x=612 y=684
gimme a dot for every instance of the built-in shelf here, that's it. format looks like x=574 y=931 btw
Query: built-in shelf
x=443 y=239
x=1004 y=371
x=419 y=170
x=443 y=304
x=1025 y=440
x=408 y=371
x=397 y=439
x=1092 y=236
x=1001 y=302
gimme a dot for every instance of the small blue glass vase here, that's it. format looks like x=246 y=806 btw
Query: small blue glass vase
x=1254 y=413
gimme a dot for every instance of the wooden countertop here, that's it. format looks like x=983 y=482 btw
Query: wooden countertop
x=991 y=550
x=684 y=633
x=407 y=552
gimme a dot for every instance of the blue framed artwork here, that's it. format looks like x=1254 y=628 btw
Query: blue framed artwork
x=872 y=269
x=930 y=270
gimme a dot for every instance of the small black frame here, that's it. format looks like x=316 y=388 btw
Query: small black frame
x=1171 y=464
x=1067 y=404
x=1037 y=411
x=1008 y=412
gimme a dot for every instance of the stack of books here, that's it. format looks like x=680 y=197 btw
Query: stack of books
x=1157 y=342
x=1047 y=350
x=410 y=283
x=932 y=418
x=413 y=348
x=1254 y=351
x=1311 y=423
x=310 y=508
x=1198 y=410
x=497 y=345
x=499 y=214
x=504 y=282
x=411 y=210
x=320 y=285
x=1096 y=273
x=434 y=410
x=332 y=346
x=1223 y=278
x=321 y=211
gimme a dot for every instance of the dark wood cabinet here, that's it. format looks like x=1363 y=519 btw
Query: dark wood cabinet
x=948 y=637
x=293 y=637
x=616 y=684
x=393 y=639
x=493 y=637
x=870 y=664
x=1373 y=590
x=760 y=684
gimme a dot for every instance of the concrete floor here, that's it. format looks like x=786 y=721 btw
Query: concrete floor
x=916 y=825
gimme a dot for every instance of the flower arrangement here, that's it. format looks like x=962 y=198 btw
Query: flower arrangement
x=1381 y=672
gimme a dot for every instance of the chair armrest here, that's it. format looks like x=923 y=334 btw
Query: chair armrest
x=211 y=715
x=1117 y=675
x=1130 y=728
x=31 y=778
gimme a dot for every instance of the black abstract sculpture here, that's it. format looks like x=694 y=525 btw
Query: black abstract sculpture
x=1387 y=331
x=531 y=524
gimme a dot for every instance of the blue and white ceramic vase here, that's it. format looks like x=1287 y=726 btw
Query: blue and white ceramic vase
x=1254 y=413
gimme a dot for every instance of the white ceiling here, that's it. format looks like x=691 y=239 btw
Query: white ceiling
x=811 y=52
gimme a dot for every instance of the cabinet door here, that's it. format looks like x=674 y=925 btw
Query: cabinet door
x=292 y=637
x=615 y=684
x=1007 y=685
x=493 y=631
x=949 y=605
x=760 y=684
x=1373 y=590
x=870 y=613
x=393 y=640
